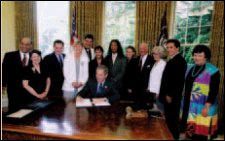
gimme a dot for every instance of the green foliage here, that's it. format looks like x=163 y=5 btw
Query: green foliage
x=120 y=22
x=194 y=28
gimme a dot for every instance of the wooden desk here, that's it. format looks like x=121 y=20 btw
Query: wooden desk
x=62 y=121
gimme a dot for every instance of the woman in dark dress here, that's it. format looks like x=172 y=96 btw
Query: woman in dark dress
x=128 y=80
x=35 y=80
x=199 y=110
x=99 y=60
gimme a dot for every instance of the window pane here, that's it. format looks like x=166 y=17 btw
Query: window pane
x=181 y=18
x=192 y=35
x=119 y=22
x=193 y=21
x=207 y=4
x=180 y=34
x=197 y=28
x=207 y=19
x=53 y=23
x=188 y=53
x=205 y=34
x=184 y=4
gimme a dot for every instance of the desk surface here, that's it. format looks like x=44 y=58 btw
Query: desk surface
x=63 y=121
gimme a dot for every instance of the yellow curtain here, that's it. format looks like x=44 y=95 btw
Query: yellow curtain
x=26 y=21
x=89 y=19
x=217 y=49
x=148 y=20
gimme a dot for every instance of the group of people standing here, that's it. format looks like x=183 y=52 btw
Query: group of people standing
x=186 y=95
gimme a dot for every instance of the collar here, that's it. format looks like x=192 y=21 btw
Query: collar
x=144 y=57
x=114 y=54
x=174 y=55
x=22 y=54
x=102 y=83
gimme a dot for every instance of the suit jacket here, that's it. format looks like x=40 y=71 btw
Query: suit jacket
x=116 y=70
x=173 y=79
x=92 y=53
x=93 y=66
x=142 y=76
x=128 y=79
x=55 y=72
x=90 y=90
x=12 y=75
x=69 y=71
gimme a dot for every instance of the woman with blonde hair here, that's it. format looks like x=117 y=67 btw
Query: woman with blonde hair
x=75 y=72
x=154 y=84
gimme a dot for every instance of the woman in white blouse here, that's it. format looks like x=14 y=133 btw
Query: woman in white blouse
x=75 y=70
x=155 y=76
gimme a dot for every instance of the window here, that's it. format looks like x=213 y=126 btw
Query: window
x=119 y=23
x=53 y=23
x=193 y=22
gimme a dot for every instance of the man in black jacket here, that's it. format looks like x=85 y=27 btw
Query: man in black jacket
x=172 y=86
x=53 y=63
x=88 y=46
x=12 y=73
x=144 y=65
x=100 y=87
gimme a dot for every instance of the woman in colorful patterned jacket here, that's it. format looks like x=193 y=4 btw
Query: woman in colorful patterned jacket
x=199 y=104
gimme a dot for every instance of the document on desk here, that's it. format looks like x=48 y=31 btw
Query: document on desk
x=86 y=102
x=100 y=102
x=20 y=114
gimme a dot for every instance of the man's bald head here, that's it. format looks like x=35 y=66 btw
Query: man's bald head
x=25 y=44
x=143 y=49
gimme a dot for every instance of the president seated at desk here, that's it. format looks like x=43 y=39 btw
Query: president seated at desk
x=100 y=88
x=65 y=121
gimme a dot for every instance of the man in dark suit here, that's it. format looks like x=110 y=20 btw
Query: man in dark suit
x=88 y=46
x=100 y=87
x=53 y=63
x=172 y=86
x=12 y=73
x=143 y=65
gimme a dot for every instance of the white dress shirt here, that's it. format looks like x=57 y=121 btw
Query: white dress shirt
x=143 y=60
x=155 y=76
x=27 y=56
x=114 y=57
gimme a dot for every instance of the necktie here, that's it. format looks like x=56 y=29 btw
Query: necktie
x=100 y=90
x=60 y=60
x=24 y=61
x=89 y=53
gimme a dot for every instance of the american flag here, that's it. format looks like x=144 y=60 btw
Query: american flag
x=164 y=33
x=74 y=36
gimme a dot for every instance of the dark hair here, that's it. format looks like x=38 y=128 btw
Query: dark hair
x=133 y=49
x=89 y=36
x=119 y=48
x=99 y=48
x=204 y=49
x=175 y=42
x=58 y=42
x=35 y=51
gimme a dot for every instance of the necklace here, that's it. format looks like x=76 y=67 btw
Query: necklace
x=194 y=75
